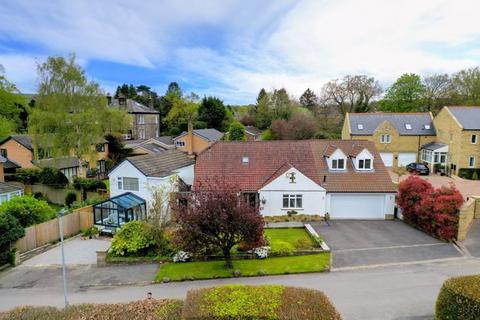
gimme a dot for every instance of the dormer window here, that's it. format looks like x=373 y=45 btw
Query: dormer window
x=365 y=164
x=363 y=160
x=338 y=164
x=360 y=126
x=408 y=126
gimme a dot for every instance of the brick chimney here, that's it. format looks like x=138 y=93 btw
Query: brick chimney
x=190 y=138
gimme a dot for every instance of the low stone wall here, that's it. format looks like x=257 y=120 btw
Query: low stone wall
x=469 y=211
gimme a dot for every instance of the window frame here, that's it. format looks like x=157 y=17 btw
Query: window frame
x=140 y=119
x=128 y=188
x=293 y=201
x=473 y=139
x=471 y=164
x=179 y=143
x=385 y=138
x=362 y=164
x=336 y=162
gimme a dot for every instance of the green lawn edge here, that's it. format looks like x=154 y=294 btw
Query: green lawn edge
x=203 y=270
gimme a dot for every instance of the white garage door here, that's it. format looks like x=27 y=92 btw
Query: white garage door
x=357 y=206
x=405 y=158
x=387 y=158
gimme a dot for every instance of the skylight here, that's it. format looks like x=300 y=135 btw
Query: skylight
x=245 y=159
x=427 y=126
x=360 y=126
x=408 y=126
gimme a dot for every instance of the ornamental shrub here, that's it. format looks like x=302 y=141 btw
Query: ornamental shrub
x=88 y=184
x=28 y=210
x=27 y=176
x=52 y=177
x=10 y=231
x=281 y=248
x=459 y=298
x=133 y=239
x=272 y=302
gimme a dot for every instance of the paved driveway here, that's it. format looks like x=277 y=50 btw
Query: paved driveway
x=366 y=243
x=77 y=252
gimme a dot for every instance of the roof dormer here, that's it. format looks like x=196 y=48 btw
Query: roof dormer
x=363 y=160
x=336 y=158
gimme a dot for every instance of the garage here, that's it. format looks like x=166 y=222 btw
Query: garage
x=405 y=158
x=357 y=206
x=387 y=158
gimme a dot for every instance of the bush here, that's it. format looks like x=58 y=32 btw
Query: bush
x=134 y=238
x=10 y=231
x=28 y=210
x=468 y=173
x=88 y=184
x=27 y=176
x=170 y=310
x=70 y=198
x=90 y=201
x=52 y=177
x=281 y=248
x=258 y=302
x=475 y=175
x=459 y=298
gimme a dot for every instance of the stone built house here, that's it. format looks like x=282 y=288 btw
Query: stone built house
x=457 y=141
x=253 y=133
x=398 y=137
x=195 y=141
x=345 y=178
x=145 y=121
x=19 y=151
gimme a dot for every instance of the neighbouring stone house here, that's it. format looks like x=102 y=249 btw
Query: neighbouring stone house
x=253 y=133
x=398 y=137
x=195 y=141
x=8 y=190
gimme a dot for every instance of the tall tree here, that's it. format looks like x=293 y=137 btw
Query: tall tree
x=467 y=86
x=439 y=91
x=217 y=217
x=212 y=111
x=299 y=127
x=172 y=94
x=13 y=106
x=282 y=105
x=71 y=113
x=236 y=131
x=308 y=99
x=405 y=95
x=183 y=111
x=261 y=94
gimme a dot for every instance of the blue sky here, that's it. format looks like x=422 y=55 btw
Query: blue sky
x=231 y=48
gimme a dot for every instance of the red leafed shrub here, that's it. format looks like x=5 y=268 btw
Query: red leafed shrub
x=434 y=211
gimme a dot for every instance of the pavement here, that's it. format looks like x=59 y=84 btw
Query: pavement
x=356 y=243
x=401 y=292
x=77 y=252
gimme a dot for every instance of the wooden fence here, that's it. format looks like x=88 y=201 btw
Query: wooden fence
x=49 y=231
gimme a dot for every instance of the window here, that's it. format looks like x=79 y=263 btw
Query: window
x=141 y=133
x=292 y=201
x=180 y=143
x=245 y=160
x=3 y=153
x=427 y=127
x=408 y=126
x=360 y=126
x=156 y=119
x=101 y=166
x=338 y=164
x=130 y=184
x=385 y=138
x=69 y=172
x=365 y=164
x=100 y=147
x=427 y=155
x=119 y=183
x=140 y=119
x=474 y=139
x=471 y=162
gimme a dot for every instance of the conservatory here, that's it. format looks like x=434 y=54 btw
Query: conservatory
x=113 y=213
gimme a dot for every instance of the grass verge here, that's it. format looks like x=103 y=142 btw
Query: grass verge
x=250 y=267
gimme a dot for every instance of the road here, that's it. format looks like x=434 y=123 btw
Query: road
x=401 y=291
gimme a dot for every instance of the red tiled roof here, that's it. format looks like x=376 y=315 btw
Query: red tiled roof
x=267 y=159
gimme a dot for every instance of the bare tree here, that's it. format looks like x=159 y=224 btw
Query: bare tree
x=439 y=91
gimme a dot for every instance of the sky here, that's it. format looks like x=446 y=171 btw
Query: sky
x=233 y=48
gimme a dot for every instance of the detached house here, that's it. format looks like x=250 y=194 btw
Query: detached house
x=145 y=120
x=195 y=141
x=458 y=139
x=345 y=178
x=398 y=137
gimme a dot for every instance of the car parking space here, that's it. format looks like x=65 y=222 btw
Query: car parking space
x=357 y=243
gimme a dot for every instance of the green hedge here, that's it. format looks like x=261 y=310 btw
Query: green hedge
x=270 y=302
x=459 y=298
x=469 y=173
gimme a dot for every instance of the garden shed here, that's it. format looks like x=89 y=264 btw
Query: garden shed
x=113 y=213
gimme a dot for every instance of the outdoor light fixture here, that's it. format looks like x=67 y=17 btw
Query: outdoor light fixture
x=61 y=213
x=264 y=200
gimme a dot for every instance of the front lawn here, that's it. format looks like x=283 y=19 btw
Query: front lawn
x=249 y=267
x=298 y=237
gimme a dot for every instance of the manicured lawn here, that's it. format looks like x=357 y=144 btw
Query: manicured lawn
x=249 y=267
x=298 y=237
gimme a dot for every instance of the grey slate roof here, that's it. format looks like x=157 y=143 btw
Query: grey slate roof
x=253 y=130
x=6 y=187
x=161 y=164
x=133 y=106
x=60 y=163
x=469 y=117
x=168 y=140
x=24 y=140
x=209 y=134
x=433 y=146
x=371 y=121
x=153 y=147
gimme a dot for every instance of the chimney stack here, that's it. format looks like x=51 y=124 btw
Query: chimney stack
x=190 y=138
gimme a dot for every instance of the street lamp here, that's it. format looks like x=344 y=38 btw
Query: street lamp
x=61 y=213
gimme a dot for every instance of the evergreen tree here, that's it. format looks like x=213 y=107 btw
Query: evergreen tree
x=212 y=111
x=308 y=99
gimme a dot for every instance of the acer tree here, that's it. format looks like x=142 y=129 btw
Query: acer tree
x=216 y=216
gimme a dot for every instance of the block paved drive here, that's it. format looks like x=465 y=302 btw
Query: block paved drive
x=357 y=243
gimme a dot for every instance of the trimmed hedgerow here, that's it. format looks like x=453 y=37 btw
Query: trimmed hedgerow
x=459 y=298
x=270 y=302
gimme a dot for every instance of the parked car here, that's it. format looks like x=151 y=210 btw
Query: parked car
x=419 y=168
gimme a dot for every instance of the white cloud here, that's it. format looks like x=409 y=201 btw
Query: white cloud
x=20 y=69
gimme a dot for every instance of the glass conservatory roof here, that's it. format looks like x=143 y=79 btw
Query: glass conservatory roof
x=126 y=201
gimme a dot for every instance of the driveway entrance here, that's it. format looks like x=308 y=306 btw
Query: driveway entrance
x=365 y=243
